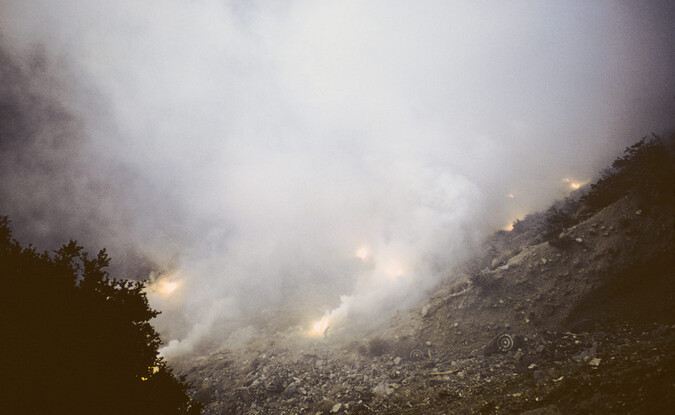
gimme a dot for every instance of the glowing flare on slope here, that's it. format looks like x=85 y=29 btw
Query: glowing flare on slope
x=363 y=253
x=319 y=328
x=574 y=184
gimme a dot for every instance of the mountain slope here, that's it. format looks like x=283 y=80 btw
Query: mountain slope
x=571 y=312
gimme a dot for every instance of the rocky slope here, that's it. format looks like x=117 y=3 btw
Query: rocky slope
x=581 y=323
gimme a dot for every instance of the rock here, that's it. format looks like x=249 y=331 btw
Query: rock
x=595 y=362
x=325 y=406
x=383 y=389
x=579 y=240
x=425 y=310
x=397 y=360
x=518 y=355
x=587 y=354
x=544 y=261
x=336 y=408
x=275 y=386
x=290 y=389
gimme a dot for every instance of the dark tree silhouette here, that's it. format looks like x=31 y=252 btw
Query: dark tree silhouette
x=75 y=341
x=556 y=222
x=646 y=169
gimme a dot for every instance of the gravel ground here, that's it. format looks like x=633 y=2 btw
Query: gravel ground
x=587 y=328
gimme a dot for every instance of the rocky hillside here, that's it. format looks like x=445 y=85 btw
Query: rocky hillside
x=571 y=312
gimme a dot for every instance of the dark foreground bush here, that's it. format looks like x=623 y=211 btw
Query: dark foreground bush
x=75 y=341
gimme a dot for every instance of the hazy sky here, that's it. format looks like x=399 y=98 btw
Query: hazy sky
x=254 y=150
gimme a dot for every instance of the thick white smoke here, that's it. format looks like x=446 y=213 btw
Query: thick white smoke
x=287 y=155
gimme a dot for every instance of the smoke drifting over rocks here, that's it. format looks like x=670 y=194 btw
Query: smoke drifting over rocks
x=330 y=159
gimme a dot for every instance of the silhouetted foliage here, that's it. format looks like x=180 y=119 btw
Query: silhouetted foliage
x=556 y=222
x=645 y=169
x=519 y=226
x=76 y=341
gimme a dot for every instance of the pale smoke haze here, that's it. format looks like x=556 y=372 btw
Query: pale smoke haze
x=332 y=159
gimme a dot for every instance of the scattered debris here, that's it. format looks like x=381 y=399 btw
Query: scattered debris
x=416 y=354
x=472 y=351
x=505 y=342
x=595 y=362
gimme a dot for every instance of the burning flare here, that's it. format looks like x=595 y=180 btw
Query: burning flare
x=169 y=287
x=574 y=184
x=510 y=226
x=363 y=253
x=164 y=285
x=320 y=328
x=166 y=288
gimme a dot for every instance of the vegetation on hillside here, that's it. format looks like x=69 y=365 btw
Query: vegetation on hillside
x=77 y=341
x=646 y=169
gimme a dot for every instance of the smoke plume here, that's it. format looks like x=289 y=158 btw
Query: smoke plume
x=308 y=161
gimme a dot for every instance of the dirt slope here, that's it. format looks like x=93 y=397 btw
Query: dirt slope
x=589 y=325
